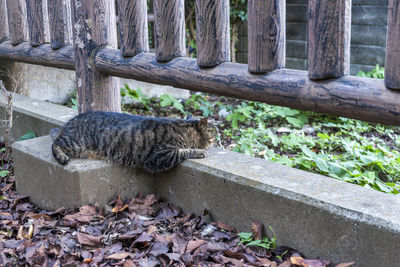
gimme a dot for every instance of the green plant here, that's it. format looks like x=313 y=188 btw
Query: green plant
x=377 y=72
x=267 y=243
x=74 y=102
x=136 y=94
x=4 y=173
x=27 y=136
x=200 y=102
x=169 y=100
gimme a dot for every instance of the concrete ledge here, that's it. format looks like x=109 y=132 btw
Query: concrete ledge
x=51 y=186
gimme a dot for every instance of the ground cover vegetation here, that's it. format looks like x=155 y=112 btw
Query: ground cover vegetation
x=143 y=231
x=350 y=150
x=354 y=151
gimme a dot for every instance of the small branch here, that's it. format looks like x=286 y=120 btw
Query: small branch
x=8 y=96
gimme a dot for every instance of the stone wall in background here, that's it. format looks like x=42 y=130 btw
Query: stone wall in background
x=368 y=35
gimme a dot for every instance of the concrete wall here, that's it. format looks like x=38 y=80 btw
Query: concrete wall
x=368 y=40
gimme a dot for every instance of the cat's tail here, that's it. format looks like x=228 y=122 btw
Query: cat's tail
x=54 y=133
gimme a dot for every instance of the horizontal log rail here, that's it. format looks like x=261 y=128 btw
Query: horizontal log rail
x=42 y=55
x=354 y=97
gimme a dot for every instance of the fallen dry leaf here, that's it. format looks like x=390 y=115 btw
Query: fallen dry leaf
x=193 y=244
x=119 y=208
x=85 y=214
x=88 y=260
x=348 y=264
x=88 y=240
x=118 y=256
x=224 y=226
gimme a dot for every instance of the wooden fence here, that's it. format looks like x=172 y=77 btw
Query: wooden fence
x=94 y=56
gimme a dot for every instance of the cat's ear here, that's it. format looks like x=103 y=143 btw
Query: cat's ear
x=203 y=122
x=189 y=117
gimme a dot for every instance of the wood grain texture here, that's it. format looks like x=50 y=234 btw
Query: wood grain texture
x=266 y=39
x=3 y=21
x=60 y=23
x=133 y=27
x=392 y=64
x=36 y=21
x=213 y=37
x=94 y=27
x=16 y=14
x=43 y=55
x=169 y=29
x=329 y=30
x=349 y=96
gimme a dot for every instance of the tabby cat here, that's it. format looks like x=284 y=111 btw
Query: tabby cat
x=155 y=144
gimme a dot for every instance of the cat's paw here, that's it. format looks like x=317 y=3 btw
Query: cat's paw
x=62 y=159
x=199 y=154
x=59 y=155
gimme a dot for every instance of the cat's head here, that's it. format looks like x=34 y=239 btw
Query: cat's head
x=207 y=133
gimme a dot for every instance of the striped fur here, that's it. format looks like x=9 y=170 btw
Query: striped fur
x=155 y=144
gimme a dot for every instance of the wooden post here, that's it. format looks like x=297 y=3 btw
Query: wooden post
x=266 y=29
x=329 y=27
x=213 y=37
x=36 y=11
x=16 y=12
x=169 y=29
x=60 y=23
x=392 y=64
x=94 y=27
x=133 y=27
x=3 y=21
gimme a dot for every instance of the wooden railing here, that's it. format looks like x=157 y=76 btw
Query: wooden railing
x=94 y=56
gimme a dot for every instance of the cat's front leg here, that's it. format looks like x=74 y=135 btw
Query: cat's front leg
x=197 y=153
x=166 y=159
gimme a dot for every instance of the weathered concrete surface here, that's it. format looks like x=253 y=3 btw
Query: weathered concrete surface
x=35 y=115
x=51 y=186
x=319 y=216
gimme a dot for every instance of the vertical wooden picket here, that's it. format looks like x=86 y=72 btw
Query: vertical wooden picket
x=169 y=26
x=329 y=27
x=266 y=30
x=133 y=27
x=392 y=63
x=213 y=37
x=16 y=13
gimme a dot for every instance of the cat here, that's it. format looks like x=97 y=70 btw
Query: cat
x=154 y=144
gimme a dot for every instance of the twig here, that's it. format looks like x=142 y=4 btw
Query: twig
x=8 y=96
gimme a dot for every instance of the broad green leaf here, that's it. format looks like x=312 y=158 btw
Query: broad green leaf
x=321 y=164
x=254 y=243
x=295 y=122
x=308 y=152
x=4 y=173
x=27 y=136
x=245 y=235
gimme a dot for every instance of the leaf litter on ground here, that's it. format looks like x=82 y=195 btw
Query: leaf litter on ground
x=143 y=231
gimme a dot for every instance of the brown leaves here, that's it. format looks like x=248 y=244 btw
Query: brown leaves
x=138 y=232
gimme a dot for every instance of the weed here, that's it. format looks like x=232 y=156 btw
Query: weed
x=377 y=72
x=267 y=243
